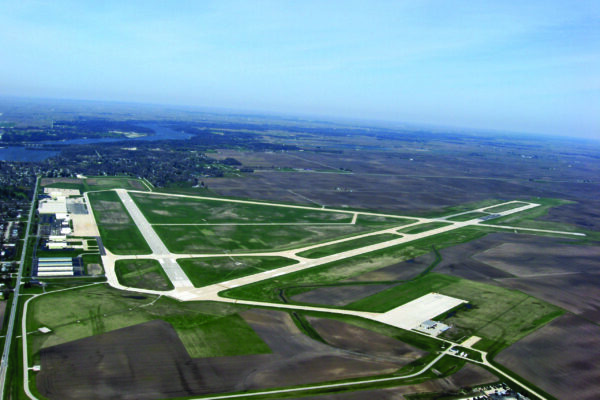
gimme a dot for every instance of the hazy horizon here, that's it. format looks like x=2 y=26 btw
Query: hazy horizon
x=508 y=67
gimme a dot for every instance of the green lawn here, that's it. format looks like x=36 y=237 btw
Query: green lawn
x=119 y=233
x=530 y=218
x=206 y=329
x=206 y=271
x=428 y=226
x=92 y=259
x=383 y=221
x=462 y=208
x=144 y=274
x=401 y=294
x=505 y=207
x=160 y=209
x=197 y=239
x=333 y=272
x=324 y=251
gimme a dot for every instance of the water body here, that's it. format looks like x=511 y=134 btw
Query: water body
x=160 y=133
x=16 y=153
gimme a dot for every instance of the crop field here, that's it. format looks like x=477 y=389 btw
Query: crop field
x=561 y=358
x=119 y=233
x=347 y=245
x=178 y=210
x=468 y=376
x=144 y=274
x=205 y=329
x=555 y=270
x=237 y=348
x=209 y=270
x=196 y=239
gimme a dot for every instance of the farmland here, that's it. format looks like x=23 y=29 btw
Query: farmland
x=262 y=282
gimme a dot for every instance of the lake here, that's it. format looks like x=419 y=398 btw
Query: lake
x=160 y=133
x=17 y=153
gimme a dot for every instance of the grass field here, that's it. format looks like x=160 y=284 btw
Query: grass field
x=529 y=218
x=173 y=210
x=428 y=226
x=206 y=271
x=119 y=233
x=468 y=216
x=500 y=316
x=462 y=208
x=348 y=245
x=196 y=239
x=382 y=221
x=206 y=329
x=303 y=281
x=89 y=259
x=144 y=274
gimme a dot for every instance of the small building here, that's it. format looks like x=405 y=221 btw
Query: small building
x=57 y=245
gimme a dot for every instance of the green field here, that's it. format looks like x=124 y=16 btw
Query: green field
x=217 y=239
x=302 y=281
x=383 y=221
x=468 y=216
x=89 y=259
x=499 y=315
x=505 y=207
x=531 y=218
x=119 y=233
x=428 y=226
x=206 y=271
x=160 y=209
x=461 y=208
x=324 y=251
x=143 y=274
x=206 y=329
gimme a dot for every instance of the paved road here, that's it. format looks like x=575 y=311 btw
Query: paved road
x=15 y=301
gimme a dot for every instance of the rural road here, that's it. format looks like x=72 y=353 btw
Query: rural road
x=15 y=301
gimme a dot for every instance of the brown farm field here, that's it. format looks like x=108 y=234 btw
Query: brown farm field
x=554 y=270
x=470 y=375
x=561 y=358
x=149 y=361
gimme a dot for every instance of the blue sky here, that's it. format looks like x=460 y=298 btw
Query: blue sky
x=529 y=66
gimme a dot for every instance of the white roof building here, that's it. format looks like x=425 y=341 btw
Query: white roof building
x=58 y=206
